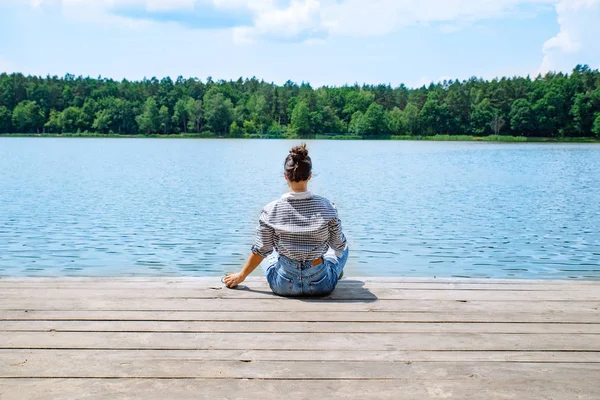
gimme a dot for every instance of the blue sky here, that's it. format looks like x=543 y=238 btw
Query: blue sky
x=327 y=42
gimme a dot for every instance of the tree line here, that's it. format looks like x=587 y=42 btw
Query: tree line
x=554 y=105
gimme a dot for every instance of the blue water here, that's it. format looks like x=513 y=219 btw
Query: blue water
x=123 y=207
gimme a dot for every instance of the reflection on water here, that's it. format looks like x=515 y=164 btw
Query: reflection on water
x=122 y=207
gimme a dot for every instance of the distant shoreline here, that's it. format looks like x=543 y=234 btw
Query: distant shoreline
x=440 y=138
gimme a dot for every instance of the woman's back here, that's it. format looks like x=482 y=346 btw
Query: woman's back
x=301 y=226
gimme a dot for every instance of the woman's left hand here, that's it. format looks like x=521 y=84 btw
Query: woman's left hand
x=233 y=280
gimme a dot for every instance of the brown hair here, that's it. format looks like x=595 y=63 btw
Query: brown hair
x=298 y=165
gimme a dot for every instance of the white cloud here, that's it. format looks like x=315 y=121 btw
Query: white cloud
x=302 y=18
x=150 y=5
x=380 y=17
x=254 y=5
x=366 y=17
x=311 y=21
x=159 y=5
x=577 y=41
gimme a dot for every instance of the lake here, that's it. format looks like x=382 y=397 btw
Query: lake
x=160 y=207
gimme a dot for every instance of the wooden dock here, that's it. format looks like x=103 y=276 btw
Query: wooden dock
x=374 y=338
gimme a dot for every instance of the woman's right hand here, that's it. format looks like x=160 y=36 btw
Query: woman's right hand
x=233 y=280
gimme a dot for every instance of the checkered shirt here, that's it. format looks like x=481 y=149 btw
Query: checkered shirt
x=301 y=226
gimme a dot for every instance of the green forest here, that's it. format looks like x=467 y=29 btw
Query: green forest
x=556 y=105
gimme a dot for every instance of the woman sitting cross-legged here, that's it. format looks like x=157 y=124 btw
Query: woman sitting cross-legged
x=305 y=231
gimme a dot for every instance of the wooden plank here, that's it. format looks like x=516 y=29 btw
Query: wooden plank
x=291 y=327
x=300 y=341
x=20 y=357
x=484 y=316
x=378 y=293
x=294 y=305
x=156 y=366
x=473 y=388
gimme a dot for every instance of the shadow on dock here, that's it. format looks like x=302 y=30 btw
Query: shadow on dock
x=347 y=291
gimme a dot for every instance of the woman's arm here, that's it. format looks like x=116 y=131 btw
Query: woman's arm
x=337 y=239
x=235 y=279
x=263 y=246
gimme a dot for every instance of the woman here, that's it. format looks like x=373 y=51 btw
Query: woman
x=305 y=231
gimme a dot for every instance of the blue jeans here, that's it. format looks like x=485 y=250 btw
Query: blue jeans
x=287 y=277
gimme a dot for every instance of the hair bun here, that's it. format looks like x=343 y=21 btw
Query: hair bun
x=298 y=164
x=299 y=153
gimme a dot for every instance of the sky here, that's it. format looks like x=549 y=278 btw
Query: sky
x=323 y=42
